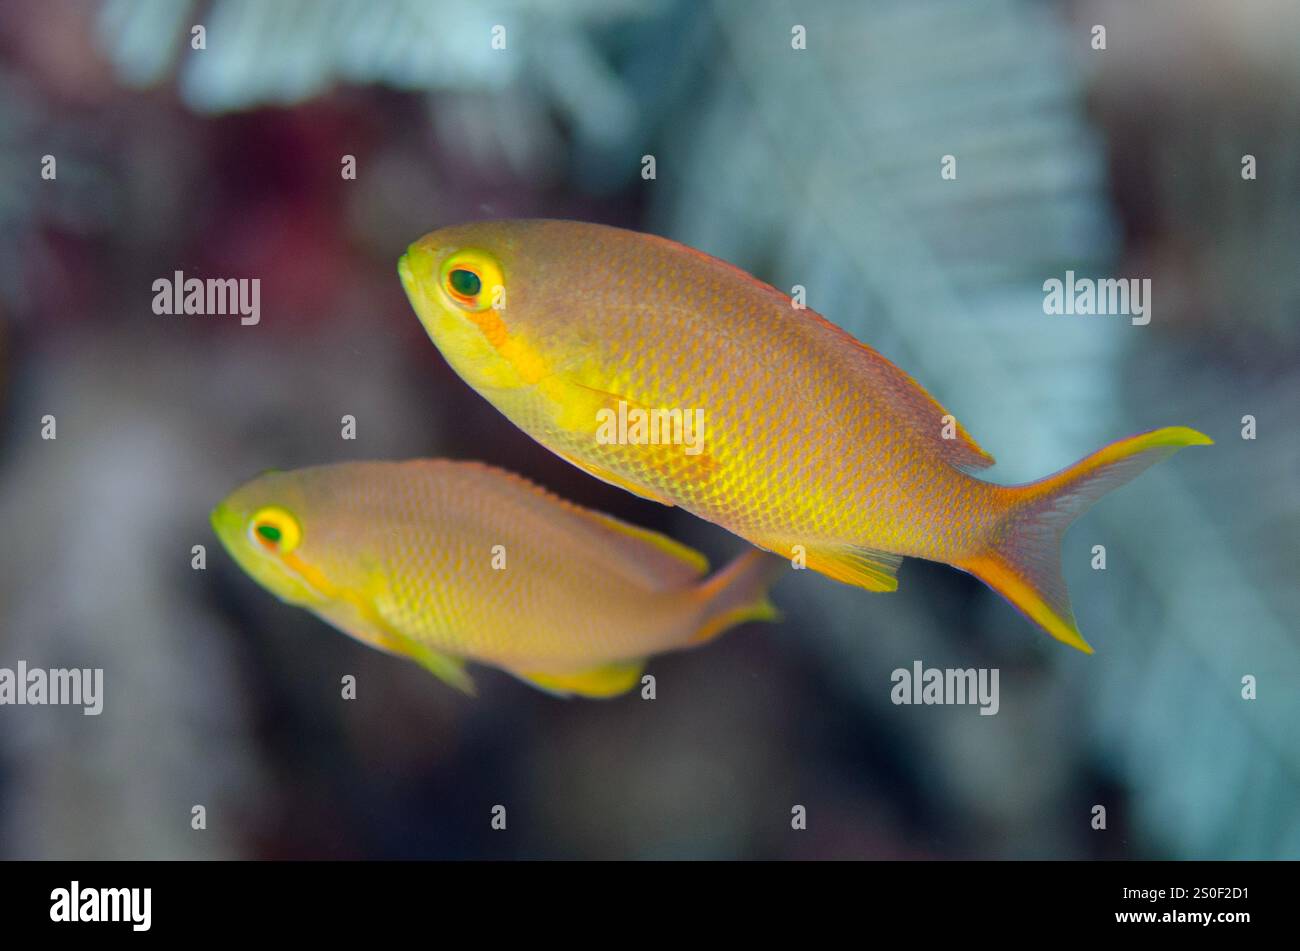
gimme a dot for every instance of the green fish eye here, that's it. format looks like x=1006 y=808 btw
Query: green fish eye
x=275 y=529
x=465 y=282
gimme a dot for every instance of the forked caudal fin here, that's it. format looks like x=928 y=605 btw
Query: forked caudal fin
x=1023 y=562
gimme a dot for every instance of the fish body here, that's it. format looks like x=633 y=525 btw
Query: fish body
x=814 y=446
x=446 y=562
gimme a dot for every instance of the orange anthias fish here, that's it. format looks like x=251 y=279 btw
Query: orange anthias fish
x=685 y=380
x=447 y=562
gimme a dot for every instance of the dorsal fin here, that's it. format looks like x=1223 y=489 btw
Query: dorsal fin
x=923 y=413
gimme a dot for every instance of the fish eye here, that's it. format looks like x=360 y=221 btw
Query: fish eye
x=464 y=283
x=473 y=280
x=275 y=530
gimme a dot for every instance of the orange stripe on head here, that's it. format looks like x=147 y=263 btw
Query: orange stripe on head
x=493 y=327
x=313 y=576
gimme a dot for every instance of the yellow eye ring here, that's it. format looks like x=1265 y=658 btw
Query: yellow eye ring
x=275 y=530
x=473 y=280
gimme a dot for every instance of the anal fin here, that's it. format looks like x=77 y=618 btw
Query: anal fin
x=609 y=680
x=863 y=567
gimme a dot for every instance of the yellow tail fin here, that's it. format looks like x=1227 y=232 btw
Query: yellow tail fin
x=1023 y=560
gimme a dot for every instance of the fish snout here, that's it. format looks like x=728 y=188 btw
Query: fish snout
x=415 y=268
x=404 y=270
x=225 y=521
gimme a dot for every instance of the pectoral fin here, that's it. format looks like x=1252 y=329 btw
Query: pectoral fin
x=579 y=405
x=450 y=670
x=605 y=475
x=666 y=441
x=601 y=682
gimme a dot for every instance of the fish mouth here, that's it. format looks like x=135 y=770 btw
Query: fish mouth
x=415 y=267
x=404 y=271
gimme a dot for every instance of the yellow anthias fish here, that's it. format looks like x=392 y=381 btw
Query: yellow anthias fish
x=445 y=562
x=611 y=348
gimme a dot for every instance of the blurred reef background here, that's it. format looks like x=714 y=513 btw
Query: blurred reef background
x=817 y=167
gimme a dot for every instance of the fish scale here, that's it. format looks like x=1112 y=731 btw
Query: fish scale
x=813 y=442
x=400 y=556
x=802 y=476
